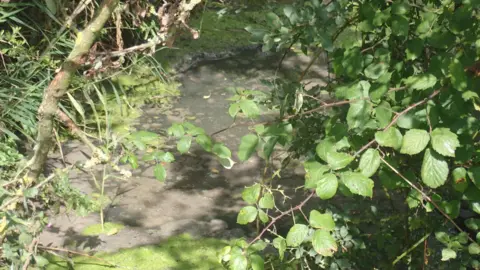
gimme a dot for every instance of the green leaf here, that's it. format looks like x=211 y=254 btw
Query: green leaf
x=280 y=244
x=358 y=114
x=389 y=138
x=296 y=235
x=267 y=201
x=400 y=25
x=159 y=172
x=25 y=239
x=262 y=216
x=246 y=215
x=257 y=262
x=269 y=147
x=249 y=108
x=205 y=142
x=451 y=208
x=352 y=62
x=434 y=169
x=338 y=161
x=30 y=192
x=414 y=198
x=325 y=146
x=400 y=7
x=442 y=237
x=421 y=82
x=369 y=162
x=247 y=146
x=183 y=145
x=176 y=130
x=473 y=224
x=221 y=151
x=448 y=254
x=234 y=109
x=327 y=186
x=251 y=194
x=383 y=114
x=458 y=76
x=314 y=172
x=414 y=141
x=41 y=261
x=321 y=221
x=273 y=20
x=324 y=243
x=357 y=183
x=375 y=70
x=474 y=175
x=459 y=177
x=238 y=262
x=414 y=48
x=444 y=141
x=474 y=249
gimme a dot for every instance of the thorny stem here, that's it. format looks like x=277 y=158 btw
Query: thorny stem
x=426 y=197
x=275 y=219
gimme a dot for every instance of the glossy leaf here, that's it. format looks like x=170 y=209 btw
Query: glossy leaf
x=327 y=186
x=369 y=162
x=221 y=150
x=421 y=82
x=338 y=161
x=246 y=215
x=357 y=183
x=389 y=138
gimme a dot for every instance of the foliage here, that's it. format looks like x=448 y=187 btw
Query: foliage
x=405 y=112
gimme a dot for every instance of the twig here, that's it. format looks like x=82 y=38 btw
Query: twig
x=424 y=238
x=275 y=219
x=77 y=253
x=31 y=247
x=397 y=116
x=426 y=197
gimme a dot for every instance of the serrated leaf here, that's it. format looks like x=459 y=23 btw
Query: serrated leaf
x=221 y=151
x=296 y=235
x=338 y=161
x=321 y=221
x=383 y=114
x=357 y=183
x=256 y=262
x=448 y=254
x=183 y=145
x=267 y=201
x=246 y=215
x=434 y=169
x=389 y=138
x=375 y=70
x=249 y=108
x=444 y=141
x=327 y=186
x=159 y=172
x=324 y=243
x=251 y=194
x=369 y=162
x=325 y=146
x=280 y=244
x=421 y=82
x=247 y=147
x=314 y=172
x=414 y=141
x=205 y=142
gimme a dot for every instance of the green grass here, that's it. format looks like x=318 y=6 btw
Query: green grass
x=179 y=252
x=108 y=228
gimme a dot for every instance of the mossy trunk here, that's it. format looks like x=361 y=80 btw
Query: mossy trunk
x=60 y=84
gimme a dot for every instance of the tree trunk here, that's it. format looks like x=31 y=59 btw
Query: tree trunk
x=60 y=84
